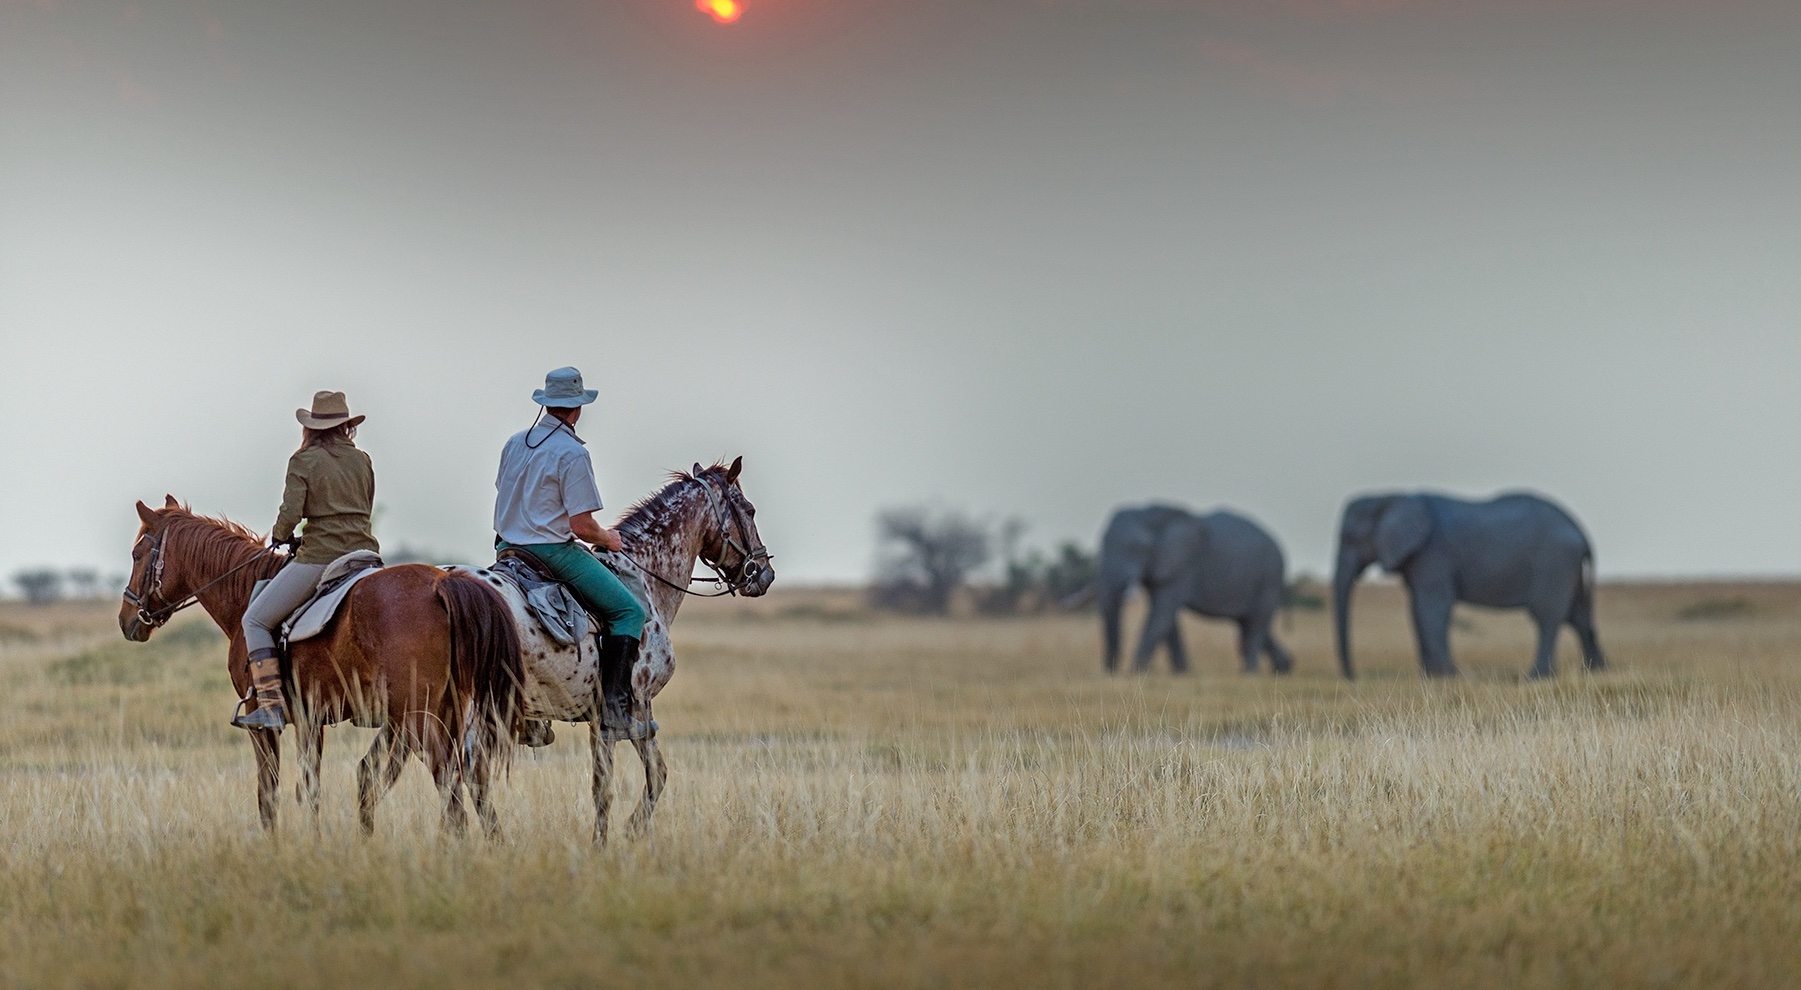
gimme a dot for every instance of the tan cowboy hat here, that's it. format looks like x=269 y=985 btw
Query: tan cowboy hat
x=329 y=409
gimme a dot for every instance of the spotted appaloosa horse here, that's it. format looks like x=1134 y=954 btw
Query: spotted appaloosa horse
x=700 y=516
x=430 y=656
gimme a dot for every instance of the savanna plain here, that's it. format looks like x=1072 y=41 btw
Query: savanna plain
x=865 y=800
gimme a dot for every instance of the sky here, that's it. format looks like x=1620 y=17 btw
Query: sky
x=1034 y=258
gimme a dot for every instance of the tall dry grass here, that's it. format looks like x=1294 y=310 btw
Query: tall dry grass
x=863 y=801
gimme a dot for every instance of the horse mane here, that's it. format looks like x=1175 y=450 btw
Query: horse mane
x=649 y=510
x=215 y=544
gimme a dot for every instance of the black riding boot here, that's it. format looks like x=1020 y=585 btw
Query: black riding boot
x=617 y=655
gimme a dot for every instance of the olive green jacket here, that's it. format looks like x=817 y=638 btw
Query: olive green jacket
x=332 y=486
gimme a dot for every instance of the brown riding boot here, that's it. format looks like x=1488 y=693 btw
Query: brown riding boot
x=271 y=711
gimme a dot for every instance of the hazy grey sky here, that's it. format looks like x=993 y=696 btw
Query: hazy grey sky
x=1020 y=257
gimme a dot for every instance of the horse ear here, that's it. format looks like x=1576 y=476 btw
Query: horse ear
x=169 y=501
x=146 y=514
x=697 y=469
x=731 y=473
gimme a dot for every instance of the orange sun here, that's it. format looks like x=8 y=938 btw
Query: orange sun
x=723 y=11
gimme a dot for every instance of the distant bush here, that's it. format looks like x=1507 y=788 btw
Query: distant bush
x=1037 y=582
x=40 y=586
x=1716 y=610
x=1306 y=594
x=928 y=560
x=45 y=585
x=924 y=556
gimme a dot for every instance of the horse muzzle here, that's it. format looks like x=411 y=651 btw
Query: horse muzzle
x=755 y=578
x=134 y=629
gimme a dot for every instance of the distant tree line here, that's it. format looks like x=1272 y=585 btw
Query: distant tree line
x=928 y=560
x=46 y=585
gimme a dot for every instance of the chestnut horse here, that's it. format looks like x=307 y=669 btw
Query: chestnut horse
x=429 y=656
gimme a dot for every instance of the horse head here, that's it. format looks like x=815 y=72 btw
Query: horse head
x=180 y=556
x=145 y=594
x=732 y=547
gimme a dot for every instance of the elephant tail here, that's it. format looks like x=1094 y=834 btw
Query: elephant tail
x=1585 y=585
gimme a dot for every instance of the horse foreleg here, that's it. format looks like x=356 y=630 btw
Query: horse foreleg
x=655 y=775
x=309 y=740
x=267 y=745
x=377 y=772
x=601 y=750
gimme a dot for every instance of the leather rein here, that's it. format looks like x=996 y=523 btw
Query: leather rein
x=153 y=573
x=750 y=562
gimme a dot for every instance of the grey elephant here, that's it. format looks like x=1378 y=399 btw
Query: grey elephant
x=1512 y=551
x=1220 y=565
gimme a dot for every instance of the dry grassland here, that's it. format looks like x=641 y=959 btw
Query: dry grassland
x=865 y=801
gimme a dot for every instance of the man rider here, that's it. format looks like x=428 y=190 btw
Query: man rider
x=545 y=500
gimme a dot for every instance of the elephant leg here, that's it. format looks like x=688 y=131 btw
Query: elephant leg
x=1279 y=659
x=1165 y=607
x=1544 y=664
x=1592 y=657
x=1178 y=652
x=1432 y=628
x=1250 y=644
x=1582 y=619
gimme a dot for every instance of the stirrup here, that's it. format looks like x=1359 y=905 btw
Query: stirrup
x=536 y=733
x=260 y=717
x=635 y=729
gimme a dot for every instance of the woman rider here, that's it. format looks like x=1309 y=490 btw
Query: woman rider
x=331 y=485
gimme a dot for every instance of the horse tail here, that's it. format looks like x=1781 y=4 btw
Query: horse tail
x=485 y=663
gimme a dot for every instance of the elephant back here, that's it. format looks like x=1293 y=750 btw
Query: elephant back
x=1239 y=568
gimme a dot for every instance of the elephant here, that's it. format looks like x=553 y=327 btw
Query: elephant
x=1516 y=550
x=1219 y=564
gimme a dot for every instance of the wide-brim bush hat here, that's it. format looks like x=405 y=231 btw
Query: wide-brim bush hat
x=329 y=409
x=563 y=390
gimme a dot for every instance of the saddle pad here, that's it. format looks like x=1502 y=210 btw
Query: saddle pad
x=315 y=615
x=552 y=604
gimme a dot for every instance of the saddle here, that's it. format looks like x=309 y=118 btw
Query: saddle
x=339 y=577
x=558 y=612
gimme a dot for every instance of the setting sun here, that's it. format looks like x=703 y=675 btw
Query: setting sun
x=723 y=11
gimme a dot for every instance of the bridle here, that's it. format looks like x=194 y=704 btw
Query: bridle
x=154 y=618
x=750 y=562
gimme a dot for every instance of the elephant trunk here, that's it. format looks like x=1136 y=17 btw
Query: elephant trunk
x=1350 y=566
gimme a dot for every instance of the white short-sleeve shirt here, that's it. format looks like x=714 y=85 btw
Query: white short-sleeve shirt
x=545 y=477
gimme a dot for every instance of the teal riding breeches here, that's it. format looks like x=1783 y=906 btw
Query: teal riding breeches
x=598 y=588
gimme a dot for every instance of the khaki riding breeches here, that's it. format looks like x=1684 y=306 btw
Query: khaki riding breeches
x=287 y=591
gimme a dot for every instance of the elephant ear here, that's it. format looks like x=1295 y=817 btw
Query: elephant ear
x=1179 y=546
x=1403 y=529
